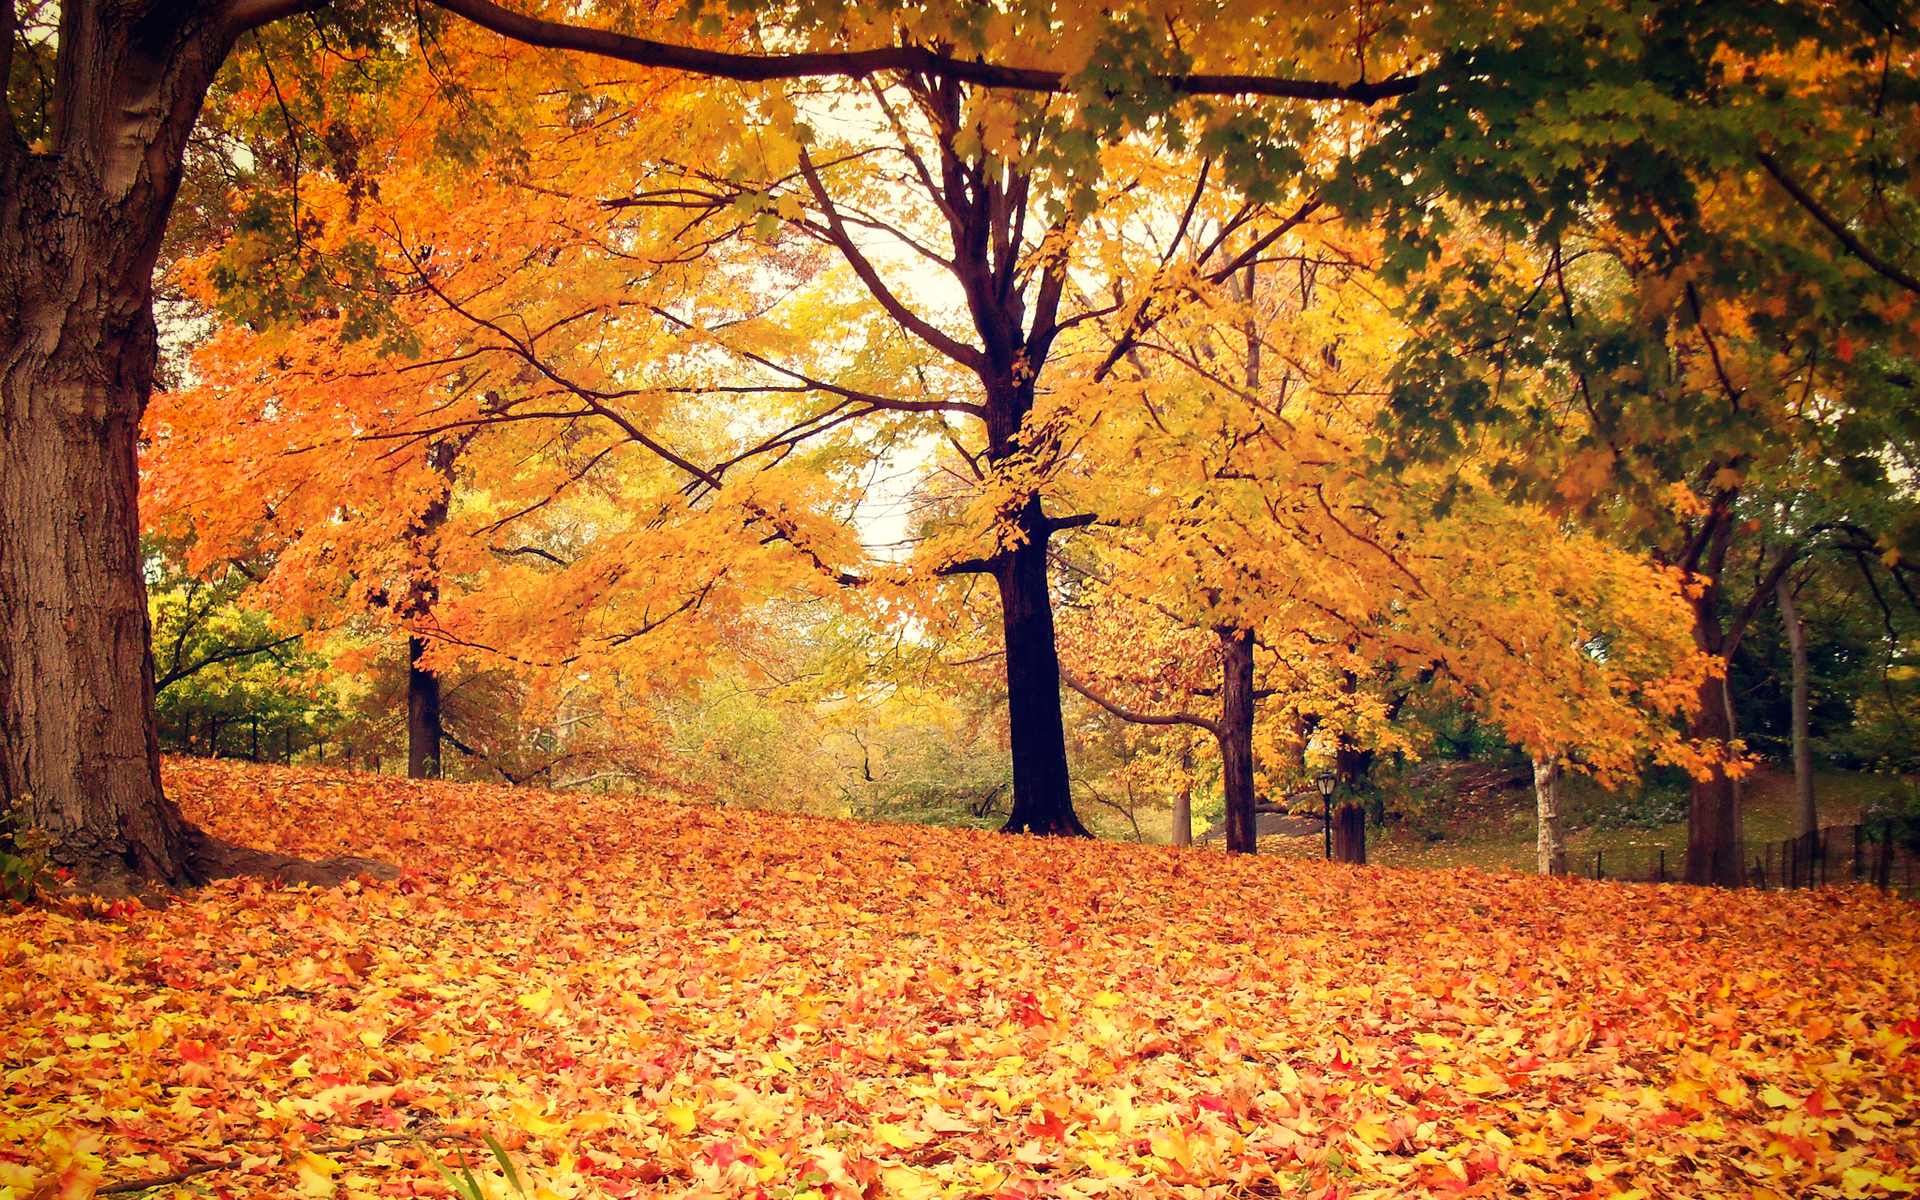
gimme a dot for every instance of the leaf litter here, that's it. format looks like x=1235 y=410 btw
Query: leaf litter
x=582 y=996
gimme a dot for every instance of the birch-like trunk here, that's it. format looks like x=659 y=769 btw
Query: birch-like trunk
x=1806 y=814
x=1550 y=843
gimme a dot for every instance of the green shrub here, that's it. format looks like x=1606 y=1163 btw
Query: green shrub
x=25 y=867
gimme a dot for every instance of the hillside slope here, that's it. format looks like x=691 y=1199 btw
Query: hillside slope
x=638 y=998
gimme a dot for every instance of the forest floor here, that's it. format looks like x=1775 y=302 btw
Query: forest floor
x=632 y=997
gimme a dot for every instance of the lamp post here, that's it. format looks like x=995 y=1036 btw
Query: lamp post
x=1325 y=781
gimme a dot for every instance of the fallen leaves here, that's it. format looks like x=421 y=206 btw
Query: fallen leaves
x=638 y=998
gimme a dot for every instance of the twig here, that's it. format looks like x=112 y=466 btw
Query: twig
x=148 y=1184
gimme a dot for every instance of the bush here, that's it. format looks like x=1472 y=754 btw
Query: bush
x=1659 y=799
x=25 y=867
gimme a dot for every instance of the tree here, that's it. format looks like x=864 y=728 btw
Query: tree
x=90 y=198
x=1681 y=328
x=1264 y=528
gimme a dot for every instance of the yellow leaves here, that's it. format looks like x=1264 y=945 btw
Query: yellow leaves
x=899 y=1138
x=1483 y=1085
x=680 y=1115
x=315 y=1175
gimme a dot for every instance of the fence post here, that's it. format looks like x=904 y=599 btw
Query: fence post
x=1663 y=864
x=1599 y=872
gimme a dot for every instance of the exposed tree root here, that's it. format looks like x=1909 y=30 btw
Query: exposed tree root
x=209 y=858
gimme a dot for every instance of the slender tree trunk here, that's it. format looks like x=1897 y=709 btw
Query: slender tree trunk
x=1042 y=798
x=1236 y=737
x=1806 y=814
x=1183 y=802
x=423 y=715
x=1550 y=841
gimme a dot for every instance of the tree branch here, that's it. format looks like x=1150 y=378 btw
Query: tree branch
x=228 y=655
x=860 y=64
x=1835 y=226
x=1139 y=718
x=156 y=1181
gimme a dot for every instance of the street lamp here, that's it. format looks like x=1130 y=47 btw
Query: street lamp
x=1325 y=781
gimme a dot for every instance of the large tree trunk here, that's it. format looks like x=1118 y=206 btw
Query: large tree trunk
x=1806 y=815
x=1350 y=834
x=80 y=228
x=1042 y=798
x=1352 y=765
x=76 y=679
x=1550 y=844
x=1236 y=737
x=423 y=715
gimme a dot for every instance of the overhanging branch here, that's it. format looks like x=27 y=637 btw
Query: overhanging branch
x=1139 y=718
x=1834 y=225
x=860 y=64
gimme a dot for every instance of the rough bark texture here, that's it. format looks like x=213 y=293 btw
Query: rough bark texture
x=1236 y=737
x=423 y=715
x=1550 y=843
x=80 y=226
x=1806 y=813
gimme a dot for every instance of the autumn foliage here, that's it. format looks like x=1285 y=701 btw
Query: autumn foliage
x=638 y=998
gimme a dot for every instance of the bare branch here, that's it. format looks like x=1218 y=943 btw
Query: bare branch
x=1139 y=718
x=861 y=64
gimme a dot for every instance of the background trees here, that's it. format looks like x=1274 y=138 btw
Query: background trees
x=1610 y=167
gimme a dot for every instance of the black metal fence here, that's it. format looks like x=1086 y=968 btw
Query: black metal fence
x=1882 y=854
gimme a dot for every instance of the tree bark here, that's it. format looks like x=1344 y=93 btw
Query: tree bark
x=81 y=221
x=1550 y=841
x=1351 y=764
x=1350 y=834
x=423 y=714
x=1036 y=732
x=1713 y=815
x=1806 y=814
x=1236 y=737
x=1183 y=802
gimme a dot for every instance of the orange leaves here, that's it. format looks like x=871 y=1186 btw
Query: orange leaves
x=637 y=998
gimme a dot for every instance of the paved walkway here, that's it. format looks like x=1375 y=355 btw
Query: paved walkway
x=1270 y=825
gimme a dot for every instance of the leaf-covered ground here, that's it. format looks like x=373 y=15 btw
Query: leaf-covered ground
x=639 y=998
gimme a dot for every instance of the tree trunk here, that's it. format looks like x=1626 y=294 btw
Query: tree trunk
x=1183 y=802
x=1350 y=834
x=1236 y=737
x=1348 y=822
x=76 y=680
x=1042 y=799
x=80 y=226
x=1713 y=813
x=423 y=715
x=1806 y=814
x=1550 y=841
